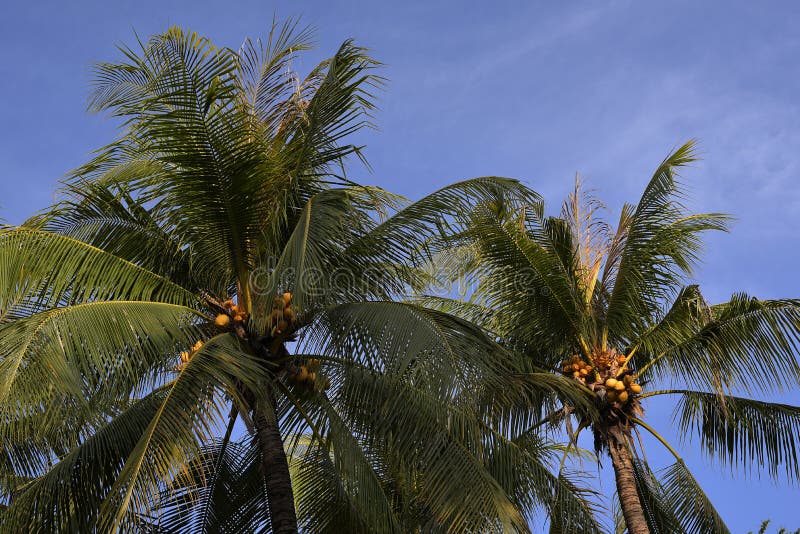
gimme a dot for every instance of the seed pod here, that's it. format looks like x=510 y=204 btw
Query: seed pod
x=222 y=320
x=636 y=388
x=611 y=383
x=623 y=396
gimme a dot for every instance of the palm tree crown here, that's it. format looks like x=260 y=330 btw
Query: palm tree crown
x=215 y=264
x=614 y=312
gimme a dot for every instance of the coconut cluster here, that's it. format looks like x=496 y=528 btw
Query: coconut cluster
x=283 y=316
x=578 y=369
x=233 y=314
x=309 y=378
x=609 y=377
x=186 y=355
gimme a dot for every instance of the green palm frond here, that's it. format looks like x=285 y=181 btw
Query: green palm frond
x=526 y=277
x=660 y=518
x=408 y=341
x=723 y=346
x=688 y=502
x=661 y=246
x=107 y=217
x=220 y=491
x=86 y=348
x=744 y=432
x=42 y=269
x=114 y=474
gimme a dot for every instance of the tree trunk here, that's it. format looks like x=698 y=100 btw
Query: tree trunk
x=276 y=471
x=622 y=461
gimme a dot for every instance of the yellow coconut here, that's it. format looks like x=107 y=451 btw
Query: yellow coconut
x=302 y=374
x=222 y=320
x=611 y=396
x=576 y=374
x=627 y=379
x=611 y=383
x=619 y=386
x=636 y=388
x=584 y=372
x=623 y=396
x=312 y=377
x=287 y=298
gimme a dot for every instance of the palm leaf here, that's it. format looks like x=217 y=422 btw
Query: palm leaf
x=744 y=432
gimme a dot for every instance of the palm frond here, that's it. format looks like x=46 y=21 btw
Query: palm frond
x=725 y=345
x=116 y=472
x=661 y=246
x=743 y=432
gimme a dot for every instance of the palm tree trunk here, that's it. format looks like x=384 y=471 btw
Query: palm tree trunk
x=276 y=471
x=622 y=461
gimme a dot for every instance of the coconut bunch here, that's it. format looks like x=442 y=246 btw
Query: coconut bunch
x=186 y=355
x=609 y=377
x=621 y=389
x=309 y=378
x=282 y=318
x=232 y=314
x=578 y=369
x=617 y=380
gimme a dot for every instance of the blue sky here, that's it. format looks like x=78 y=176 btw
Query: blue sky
x=532 y=90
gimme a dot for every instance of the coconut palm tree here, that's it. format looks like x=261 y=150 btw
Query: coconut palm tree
x=614 y=310
x=213 y=294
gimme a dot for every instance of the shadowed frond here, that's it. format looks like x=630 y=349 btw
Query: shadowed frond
x=116 y=472
x=684 y=497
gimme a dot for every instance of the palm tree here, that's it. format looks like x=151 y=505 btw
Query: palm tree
x=215 y=265
x=614 y=311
